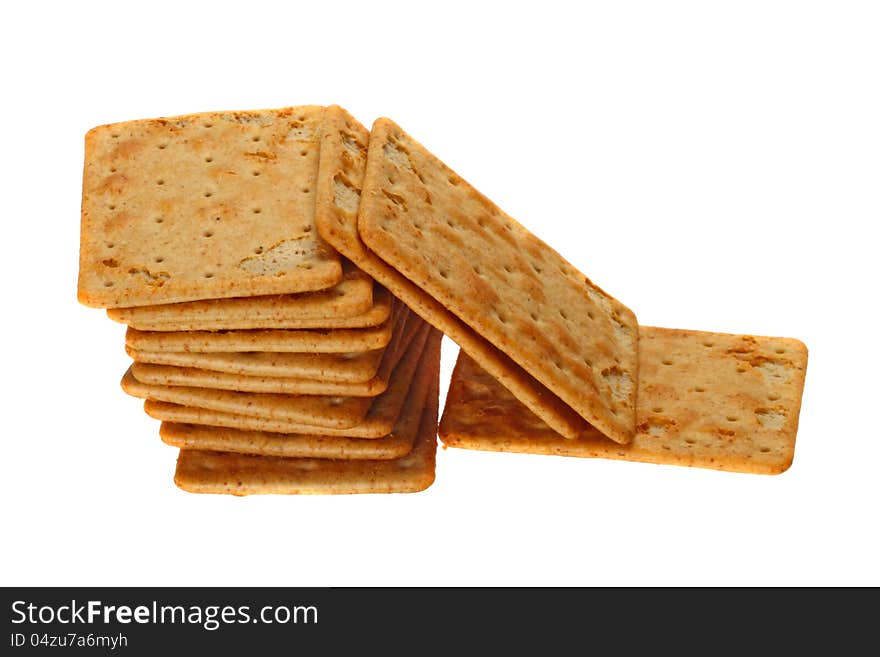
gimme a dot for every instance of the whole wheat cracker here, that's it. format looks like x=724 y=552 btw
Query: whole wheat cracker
x=202 y=206
x=353 y=295
x=344 y=148
x=238 y=474
x=711 y=400
x=375 y=316
x=510 y=287
x=379 y=422
x=396 y=444
x=183 y=376
x=310 y=410
x=322 y=341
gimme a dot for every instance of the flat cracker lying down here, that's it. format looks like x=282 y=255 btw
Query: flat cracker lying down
x=309 y=410
x=376 y=315
x=710 y=400
x=317 y=341
x=202 y=206
x=343 y=164
x=396 y=444
x=353 y=295
x=318 y=385
x=238 y=474
x=378 y=423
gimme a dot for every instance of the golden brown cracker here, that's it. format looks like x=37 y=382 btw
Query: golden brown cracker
x=376 y=315
x=396 y=444
x=202 y=206
x=711 y=400
x=378 y=422
x=421 y=218
x=353 y=295
x=340 y=180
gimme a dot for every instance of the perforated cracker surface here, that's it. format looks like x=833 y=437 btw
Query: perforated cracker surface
x=711 y=400
x=202 y=206
x=506 y=284
x=340 y=179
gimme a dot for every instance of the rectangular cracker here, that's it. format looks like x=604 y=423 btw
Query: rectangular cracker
x=202 y=206
x=379 y=422
x=353 y=295
x=344 y=148
x=310 y=410
x=319 y=341
x=352 y=366
x=335 y=368
x=376 y=315
x=506 y=284
x=238 y=474
x=180 y=376
x=709 y=400
x=396 y=444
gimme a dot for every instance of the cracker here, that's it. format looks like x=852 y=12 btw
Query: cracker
x=506 y=284
x=202 y=206
x=376 y=315
x=353 y=295
x=310 y=410
x=710 y=400
x=340 y=178
x=167 y=375
x=239 y=474
x=378 y=423
x=323 y=341
x=336 y=368
x=396 y=444
x=181 y=376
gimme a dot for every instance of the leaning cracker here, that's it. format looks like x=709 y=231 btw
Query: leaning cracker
x=353 y=295
x=314 y=410
x=184 y=376
x=376 y=315
x=380 y=419
x=340 y=179
x=320 y=341
x=506 y=284
x=396 y=444
x=711 y=400
x=202 y=206
x=238 y=474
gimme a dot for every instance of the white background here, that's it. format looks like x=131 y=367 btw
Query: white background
x=713 y=165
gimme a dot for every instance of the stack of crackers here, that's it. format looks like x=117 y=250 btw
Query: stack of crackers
x=274 y=364
x=286 y=276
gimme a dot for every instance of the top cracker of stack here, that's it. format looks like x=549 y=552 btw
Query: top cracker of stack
x=208 y=206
